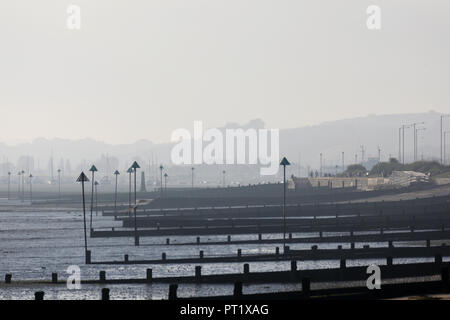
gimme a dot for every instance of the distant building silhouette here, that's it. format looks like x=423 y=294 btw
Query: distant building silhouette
x=143 y=189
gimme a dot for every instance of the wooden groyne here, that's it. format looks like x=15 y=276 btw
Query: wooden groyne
x=313 y=254
x=293 y=275
x=380 y=236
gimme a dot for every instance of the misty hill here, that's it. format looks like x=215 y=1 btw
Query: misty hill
x=328 y=138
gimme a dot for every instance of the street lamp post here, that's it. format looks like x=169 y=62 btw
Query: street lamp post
x=82 y=178
x=403 y=141
x=445 y=158
x=441 y=132
x=284 y=162
x=415 y=138
x=192 y=177
x=116 y=173
x=416 y=146
x=93 y=169
x=417 y=141
x=165 y=181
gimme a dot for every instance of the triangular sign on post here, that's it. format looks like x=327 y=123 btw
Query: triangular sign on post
x=116 y=172
x=129 y=170
x=82 y=178
x=284 y=162
x=135 y=165
x=93 y=168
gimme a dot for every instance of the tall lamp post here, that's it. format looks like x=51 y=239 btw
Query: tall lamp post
x=192 y=177
x=445 y=158
x=284 y=162
x=441 y=132
x=82 y=178
x=93 y=169
x=403 y=141
x=135 y=166
x=416 y=147
x=116 y=173
x=415 y=138
x=417 y=141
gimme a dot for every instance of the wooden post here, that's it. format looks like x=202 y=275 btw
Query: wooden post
x=237 y=292
x=105 y=294
x=88 y=256
x=342 y=266
x=173 y=291
x=39 y=295
x=149 y=275
x=246 y=268
x=293 y=266
x=239 y=253
x=163 y=256
x=198 y=272
x=54 y=277
x=8 y=277
x=102 y=276
x=445 y=277
x=201 y=254
x=126 y=258
x=438 y=259
x=389 y=261
x=306 y=286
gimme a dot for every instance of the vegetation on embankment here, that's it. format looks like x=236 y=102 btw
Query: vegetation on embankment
x=384 y=169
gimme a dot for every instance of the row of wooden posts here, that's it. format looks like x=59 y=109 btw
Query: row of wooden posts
x=198 y=270
x=237 y=290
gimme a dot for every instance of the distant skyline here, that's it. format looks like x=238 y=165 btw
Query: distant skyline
x=143 y=69
x=243 y=125
x=330 y=138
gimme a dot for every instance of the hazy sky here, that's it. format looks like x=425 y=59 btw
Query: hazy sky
x=140 y=69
